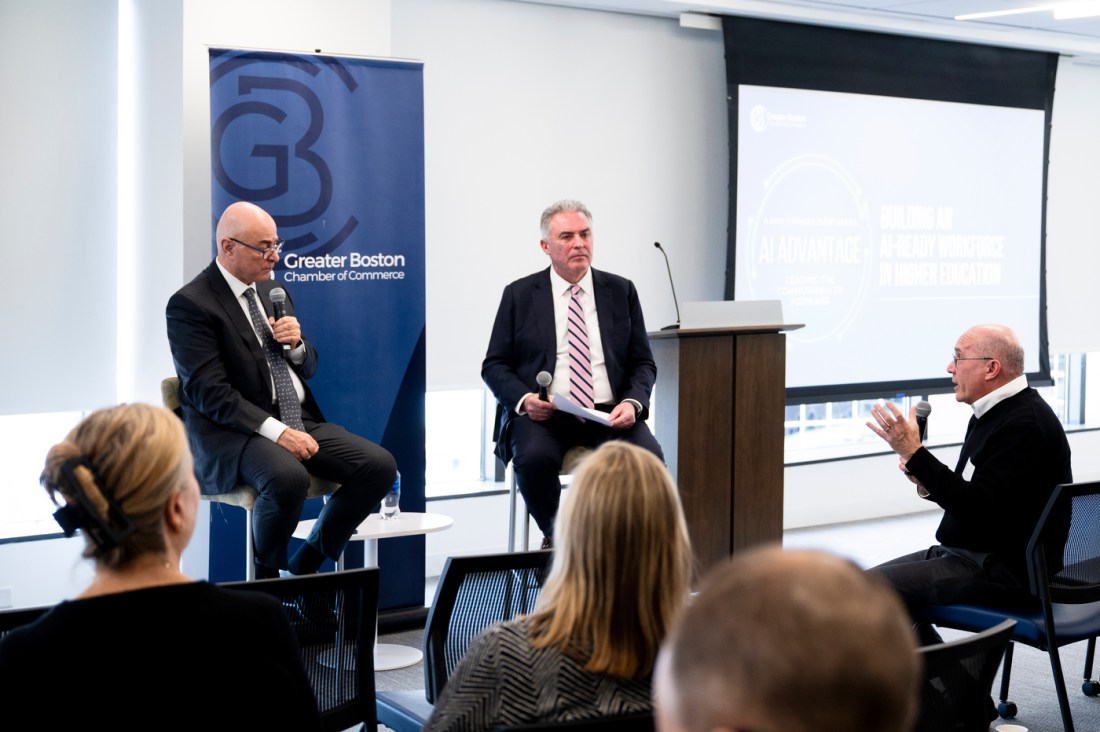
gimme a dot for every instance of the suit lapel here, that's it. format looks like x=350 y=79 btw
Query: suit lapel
x=224 y=297
x=605 y=314
x=542 y=302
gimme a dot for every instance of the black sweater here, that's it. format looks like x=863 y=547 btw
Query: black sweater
x=1020 y=453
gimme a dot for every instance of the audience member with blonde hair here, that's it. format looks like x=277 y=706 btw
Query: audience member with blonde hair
x=789 y=641
x=620 y=576
x=144 y=646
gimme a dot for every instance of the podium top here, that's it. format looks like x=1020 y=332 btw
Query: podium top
x=728 y=329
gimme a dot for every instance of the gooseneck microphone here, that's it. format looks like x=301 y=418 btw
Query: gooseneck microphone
x=675 y=302
x=923 y=410
x=544 y=378
x=278 y=304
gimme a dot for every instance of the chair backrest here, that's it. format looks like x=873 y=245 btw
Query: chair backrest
x=639 y=722
x=334 y=616
x=12 y=619
x=1064 y=551
x=473 y=593
x=958 y=680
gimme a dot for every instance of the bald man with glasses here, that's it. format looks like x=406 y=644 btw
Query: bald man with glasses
x=1014 y=454
x=250 y=415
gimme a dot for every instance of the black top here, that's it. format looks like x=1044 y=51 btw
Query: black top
x=186 y=656
x=1020 y=452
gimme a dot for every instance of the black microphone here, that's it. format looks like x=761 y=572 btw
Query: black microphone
x=544 y=378
x=675 y=325
x=278 y=304
x=923 y=410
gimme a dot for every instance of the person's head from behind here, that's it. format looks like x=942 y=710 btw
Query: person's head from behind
x=789 y=641
x=622 y=563
x=125 y=477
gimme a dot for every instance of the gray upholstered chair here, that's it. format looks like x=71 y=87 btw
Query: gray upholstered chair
x=243 y=496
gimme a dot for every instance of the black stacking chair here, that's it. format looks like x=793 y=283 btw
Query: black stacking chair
x=473 y=593
x=334 y=616
x=1063 y=561
x=958 y=681
x=12 y=619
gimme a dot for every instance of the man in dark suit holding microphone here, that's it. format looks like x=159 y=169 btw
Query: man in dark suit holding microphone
x=585 y=328
x=251 y=418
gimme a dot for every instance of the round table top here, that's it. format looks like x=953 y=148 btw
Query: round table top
x=406 y=523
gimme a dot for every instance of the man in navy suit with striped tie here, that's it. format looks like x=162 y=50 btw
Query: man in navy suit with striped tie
x=585 y=328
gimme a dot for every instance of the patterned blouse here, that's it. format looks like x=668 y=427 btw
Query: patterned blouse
x=502 y=680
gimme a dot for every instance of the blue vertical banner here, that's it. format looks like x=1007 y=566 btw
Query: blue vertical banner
x=333 y=148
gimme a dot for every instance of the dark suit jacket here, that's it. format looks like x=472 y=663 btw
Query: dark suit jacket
x=225 y=382
x=524 y=342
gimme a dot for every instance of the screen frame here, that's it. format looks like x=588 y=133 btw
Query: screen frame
x=792 y=55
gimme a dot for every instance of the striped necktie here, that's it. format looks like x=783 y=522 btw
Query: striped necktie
x=290 y=410
x=580 y=360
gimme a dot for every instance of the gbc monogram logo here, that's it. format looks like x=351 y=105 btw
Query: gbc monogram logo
x=269 y=143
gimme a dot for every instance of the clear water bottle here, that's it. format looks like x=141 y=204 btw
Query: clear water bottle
x=390 y=504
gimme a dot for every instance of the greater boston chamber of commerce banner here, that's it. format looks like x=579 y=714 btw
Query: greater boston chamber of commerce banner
x=333 y=148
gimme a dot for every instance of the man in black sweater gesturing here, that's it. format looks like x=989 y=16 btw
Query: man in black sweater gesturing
x=1014 y=454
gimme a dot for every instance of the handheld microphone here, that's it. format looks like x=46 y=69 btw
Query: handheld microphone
x=674 y=300
x=544 y=378
x=923 y=410
x=278 y=304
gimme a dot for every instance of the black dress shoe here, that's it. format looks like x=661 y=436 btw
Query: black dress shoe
x=265 y=572
x=547 y=542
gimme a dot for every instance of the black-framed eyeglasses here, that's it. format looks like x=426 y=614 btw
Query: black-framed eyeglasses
x=956 y=359
x=265 y=252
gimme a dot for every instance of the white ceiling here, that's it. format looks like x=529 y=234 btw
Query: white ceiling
x=933 y=18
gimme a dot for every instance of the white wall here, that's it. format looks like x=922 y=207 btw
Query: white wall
x=526 y=104
x=57 y=202
x=1073 y=211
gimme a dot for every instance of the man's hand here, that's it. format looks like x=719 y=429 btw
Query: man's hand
x=902 y=435
x=622 y=416
x=286 y=330
x=299 y=444
x=536 y=409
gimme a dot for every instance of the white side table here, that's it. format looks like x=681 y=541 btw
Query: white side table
x=387 y=656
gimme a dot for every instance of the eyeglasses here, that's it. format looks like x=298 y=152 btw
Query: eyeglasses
x=266 y=252
x=956 y=359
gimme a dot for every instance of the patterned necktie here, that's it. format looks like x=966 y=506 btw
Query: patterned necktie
x=580 y=361
x=290 y=410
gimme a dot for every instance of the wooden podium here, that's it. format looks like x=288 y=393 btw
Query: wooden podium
x=718 y=410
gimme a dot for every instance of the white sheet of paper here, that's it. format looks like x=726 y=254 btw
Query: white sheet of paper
x=565 y=404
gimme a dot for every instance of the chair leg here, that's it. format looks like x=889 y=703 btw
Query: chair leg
x=1005 y=708
x=1089 y=686
x=1060 y=687
x=510 y=479
x=249 y=547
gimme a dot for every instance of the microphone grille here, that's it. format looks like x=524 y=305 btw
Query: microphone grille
x=277 y=295
x=544 y=378
x=923 y=409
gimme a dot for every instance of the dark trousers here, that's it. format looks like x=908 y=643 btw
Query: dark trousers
x=364 y=471
x=936 y=576
x=538 y=449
